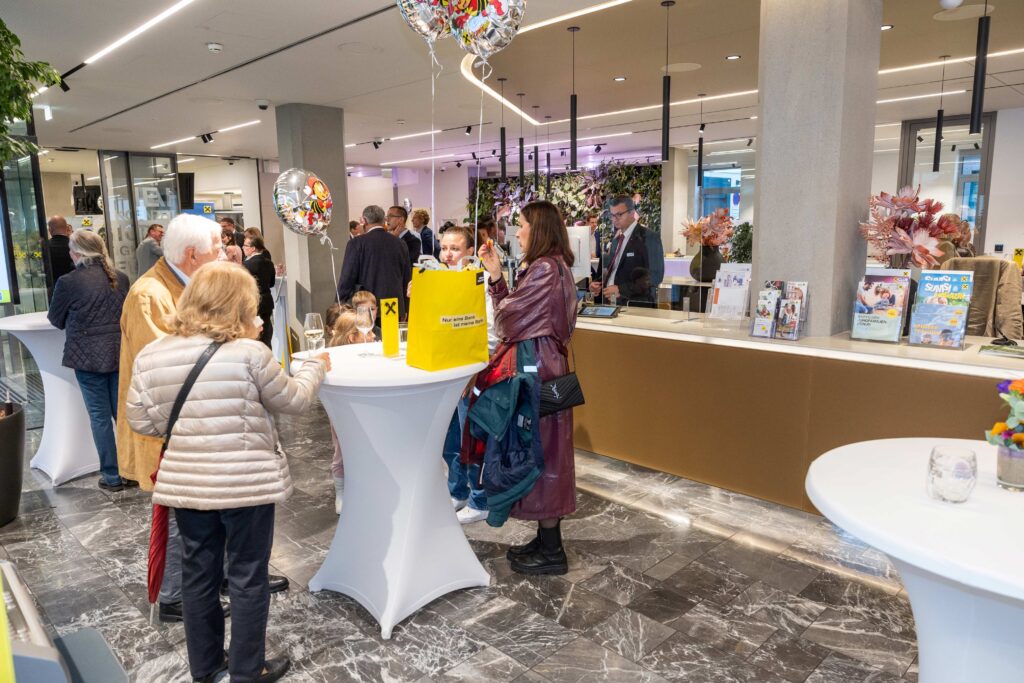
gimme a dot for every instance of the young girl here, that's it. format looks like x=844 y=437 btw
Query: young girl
x=343 y=332
x=463 y=480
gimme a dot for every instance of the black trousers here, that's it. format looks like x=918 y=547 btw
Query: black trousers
x=246 y=535
x=268 y=330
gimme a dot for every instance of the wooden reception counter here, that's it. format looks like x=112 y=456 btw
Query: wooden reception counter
x=705 y=401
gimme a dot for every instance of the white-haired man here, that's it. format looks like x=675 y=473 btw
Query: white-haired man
x=189 y=243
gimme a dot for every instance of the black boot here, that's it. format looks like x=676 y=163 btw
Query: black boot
x=549 y=556
x=517 y=551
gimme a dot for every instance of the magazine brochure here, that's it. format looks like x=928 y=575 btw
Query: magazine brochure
x=765 y=312
x=880 y=305
x=798 y=291
x=731 y=292
x=939 y=317
x=788 y=325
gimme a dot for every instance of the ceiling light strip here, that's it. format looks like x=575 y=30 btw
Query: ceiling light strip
x=413 y=135
x=182 y=4
x=921 y=97
x=572 y=15
x=408 y=161
x=195 y=137
x=958 y=60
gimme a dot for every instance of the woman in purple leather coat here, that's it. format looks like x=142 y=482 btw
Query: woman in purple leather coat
x=543 y=308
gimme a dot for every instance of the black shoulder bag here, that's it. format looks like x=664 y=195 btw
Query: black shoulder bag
x=561 y=393
x=179 y=402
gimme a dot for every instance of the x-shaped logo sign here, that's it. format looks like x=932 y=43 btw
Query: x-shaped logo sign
x=390 y=308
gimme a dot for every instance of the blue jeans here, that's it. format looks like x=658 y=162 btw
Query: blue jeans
x=99 y=389
x=463 y=480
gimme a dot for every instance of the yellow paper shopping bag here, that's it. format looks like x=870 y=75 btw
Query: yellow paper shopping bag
x=447 y=319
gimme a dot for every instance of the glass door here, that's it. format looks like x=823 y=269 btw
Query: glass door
x=138 y=191
x=961 y=181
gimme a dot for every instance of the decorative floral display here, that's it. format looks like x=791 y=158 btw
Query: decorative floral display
x=712 y=230
x=1010 y=434
x=906 y=230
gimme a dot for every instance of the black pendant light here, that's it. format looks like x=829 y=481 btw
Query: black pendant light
x=700 y=147
x=536 y=153
x=939 y=115
x=572 y=103
x=980 y=65
x=666 y=89
x=504 y=170
x=522 y=147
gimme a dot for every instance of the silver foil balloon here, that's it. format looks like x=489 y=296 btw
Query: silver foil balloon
x=485 y=27
x=303 y=202
x=429 y=18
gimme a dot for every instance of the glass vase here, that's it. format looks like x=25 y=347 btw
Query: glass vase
x=1010 y=469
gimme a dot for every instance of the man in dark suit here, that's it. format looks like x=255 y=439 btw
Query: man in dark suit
x=595 y=244
x=634 y=247
x=397 y=218
x=257 y=262
x=377 y=262
x=59 y=247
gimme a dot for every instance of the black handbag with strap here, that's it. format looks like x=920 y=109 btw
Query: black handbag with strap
x=564 y=392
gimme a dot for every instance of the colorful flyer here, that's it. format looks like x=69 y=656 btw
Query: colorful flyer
x=879 y=307
x=765 y=312
x=945 y=287
x=788 y=325
x=798 y=291
x=938 y=325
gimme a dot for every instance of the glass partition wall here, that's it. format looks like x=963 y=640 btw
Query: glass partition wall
x=139 y=190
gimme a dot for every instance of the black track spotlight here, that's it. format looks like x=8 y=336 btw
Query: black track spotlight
x=376 y=145
x=750 y=141
x=702 y=129
x=206 y=137
x=977 y=146
x=920 y=139
x=562 y=153
x=597 y=149
x=64 y=85
x=494 y=152
x=953 y=149
x=458 y=164
x=531 y=156
x=469 y=130
x=474 y=155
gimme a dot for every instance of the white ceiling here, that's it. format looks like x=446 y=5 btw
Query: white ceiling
x=378 y=70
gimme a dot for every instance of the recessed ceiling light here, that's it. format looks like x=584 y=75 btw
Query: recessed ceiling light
x=753 y=118
x=887 y=27
x=619 y=79
x=733 y=58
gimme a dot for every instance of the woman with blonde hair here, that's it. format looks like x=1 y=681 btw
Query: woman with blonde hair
x=87 y=305
x=221 y=471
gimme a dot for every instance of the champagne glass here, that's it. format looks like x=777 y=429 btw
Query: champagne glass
x=364 y=323
x=313 y=330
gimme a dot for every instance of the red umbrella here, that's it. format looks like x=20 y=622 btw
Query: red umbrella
x=157 y=549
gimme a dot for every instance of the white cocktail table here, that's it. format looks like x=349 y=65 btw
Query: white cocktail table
x=962 y=564
x=66 y=449
x=398 y=544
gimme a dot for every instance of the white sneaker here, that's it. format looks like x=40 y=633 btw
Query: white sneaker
x=337 y=506
x=458 y=503
x=468 y=515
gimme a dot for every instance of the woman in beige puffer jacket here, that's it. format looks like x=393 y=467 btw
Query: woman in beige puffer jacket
x=221 y=471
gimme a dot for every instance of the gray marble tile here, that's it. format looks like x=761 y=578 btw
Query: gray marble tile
x=565 y=603
x=864 y=641
x=681 y=659
x=891 y=612
x=763 y=563
x=839 y=669
x=723 y=628
x=667 y=567
x=708 y=580
x=26 y=527
x=913 y=672
x=629 y=634
x=517 y=631
x=662 y=604
x=783 y=610
x=619 y=584
x=583 y=660
x=531 y=676
x=488 y=664
x=789 y=657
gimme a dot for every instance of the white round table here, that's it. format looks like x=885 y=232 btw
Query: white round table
x=398 y=544
x=962 y=564
x=66 y=449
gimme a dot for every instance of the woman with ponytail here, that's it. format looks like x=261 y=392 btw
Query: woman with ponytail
x=87 y=305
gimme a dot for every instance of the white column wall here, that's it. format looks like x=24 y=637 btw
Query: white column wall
x=1005 y=221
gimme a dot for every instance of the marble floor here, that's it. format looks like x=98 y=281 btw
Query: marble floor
x=670 y=580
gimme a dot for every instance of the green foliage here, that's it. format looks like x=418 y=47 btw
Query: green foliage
x=742 y=244
x=18 y=80
x=576 y=193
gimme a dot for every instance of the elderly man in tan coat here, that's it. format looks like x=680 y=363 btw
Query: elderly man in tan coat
x=190 y=242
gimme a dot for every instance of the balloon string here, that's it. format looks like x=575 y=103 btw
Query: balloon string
x=485 y=73
x=434 y=75
x=324 y=239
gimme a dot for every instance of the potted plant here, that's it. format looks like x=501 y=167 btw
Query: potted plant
x=19 y=79
x=1008 y=437
x=711 y=232
x=905 y=231
x=742 y=243
x=12 y=453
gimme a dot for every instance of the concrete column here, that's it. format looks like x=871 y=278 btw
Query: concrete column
x=675 y=184
x=818 y=85
x=311 y=137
